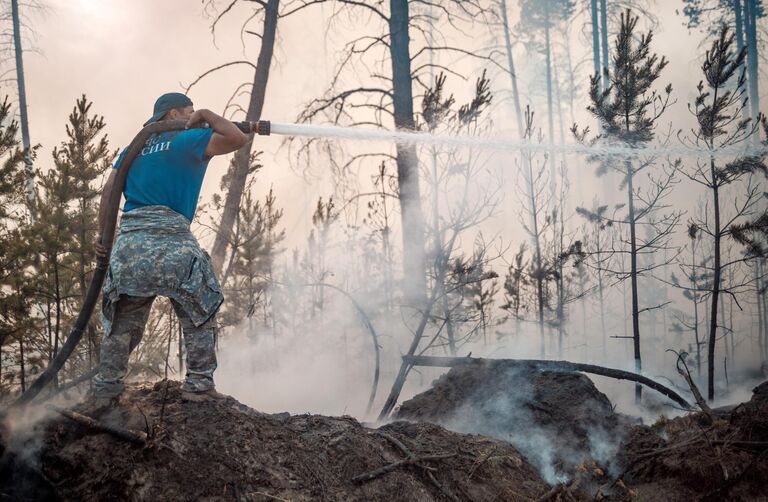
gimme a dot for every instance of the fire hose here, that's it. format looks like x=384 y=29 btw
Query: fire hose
x=261 y=127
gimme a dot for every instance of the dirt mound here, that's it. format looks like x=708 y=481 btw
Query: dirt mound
x=224 y=450
x=559 y=421
x=697 y=457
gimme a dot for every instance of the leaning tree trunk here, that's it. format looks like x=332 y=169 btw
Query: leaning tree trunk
x=511 y=68
x=241 y=162
x=414 y=274
x=28 y=169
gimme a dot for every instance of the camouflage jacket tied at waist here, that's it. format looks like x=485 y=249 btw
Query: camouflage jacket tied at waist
x=156 y=254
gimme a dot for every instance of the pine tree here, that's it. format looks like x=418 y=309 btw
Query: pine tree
x=248 y=287
x=15 y=256
x=85 y=156
x=718 y=109
x=628 y=109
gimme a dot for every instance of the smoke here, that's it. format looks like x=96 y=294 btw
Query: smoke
x=323 y=367
x=21 y=443
x=557 y=421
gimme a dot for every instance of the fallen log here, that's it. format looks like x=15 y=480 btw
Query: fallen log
x=135 y=437
x=541 y=364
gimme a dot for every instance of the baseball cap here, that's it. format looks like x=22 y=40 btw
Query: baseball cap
x=166 y=103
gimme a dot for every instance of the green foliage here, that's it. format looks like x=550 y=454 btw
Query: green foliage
x=14 y=252
x=516 y=283
x=629 y=106
x=437 y=110
x=49 y=259
x=249 y=273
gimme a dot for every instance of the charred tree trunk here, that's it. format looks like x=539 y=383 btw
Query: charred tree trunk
x=739 y=21
x=633 y=277
x=57 y=329
x=601 y=295
x=696 y=312
x=716 y=279
x=241 y=162
x=595 y=37
x=414 y=275
x=750 y=18
x=405 y=367
x=604 y=39
x=29 y=188
x=22 y=363
x=762 y=295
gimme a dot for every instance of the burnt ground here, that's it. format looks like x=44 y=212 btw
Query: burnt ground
x=227 y=451
x=694 y=457
x=568 y=429
x=558 y=420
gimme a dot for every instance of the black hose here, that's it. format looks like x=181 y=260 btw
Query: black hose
x=261 y=127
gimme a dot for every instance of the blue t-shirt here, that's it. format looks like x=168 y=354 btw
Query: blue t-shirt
x=168 y=171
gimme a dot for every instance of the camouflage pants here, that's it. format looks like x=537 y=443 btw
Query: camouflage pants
x=126 y=331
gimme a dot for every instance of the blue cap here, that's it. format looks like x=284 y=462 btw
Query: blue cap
x=166 y=103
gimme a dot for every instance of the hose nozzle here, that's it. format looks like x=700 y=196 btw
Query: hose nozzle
x=260 y=127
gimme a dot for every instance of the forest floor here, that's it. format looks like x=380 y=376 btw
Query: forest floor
x=557 y=439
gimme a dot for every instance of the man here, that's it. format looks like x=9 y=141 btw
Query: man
x=156 y=254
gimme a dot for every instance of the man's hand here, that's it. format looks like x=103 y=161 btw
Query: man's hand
x=198 y=117
x=101 y=251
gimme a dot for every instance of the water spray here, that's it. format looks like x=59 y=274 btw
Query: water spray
x=267 y=128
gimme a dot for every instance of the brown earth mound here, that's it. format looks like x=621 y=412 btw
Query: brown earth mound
x=559 y=421
x=224 y=450
x=696 y=457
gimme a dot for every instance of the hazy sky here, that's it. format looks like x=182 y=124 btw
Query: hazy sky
x=124 y=53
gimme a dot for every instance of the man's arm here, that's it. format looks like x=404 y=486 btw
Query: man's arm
x=226 y=136
x=105 y=193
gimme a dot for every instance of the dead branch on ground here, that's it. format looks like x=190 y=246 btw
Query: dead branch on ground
x=135 y=437
x=686 y=374
x=410 y=459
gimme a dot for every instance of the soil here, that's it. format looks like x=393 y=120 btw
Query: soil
x=560 y=421
x=223 y=450
x=563 y=425
x=695 y=457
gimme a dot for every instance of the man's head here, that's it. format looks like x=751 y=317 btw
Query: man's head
x=171 y=106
